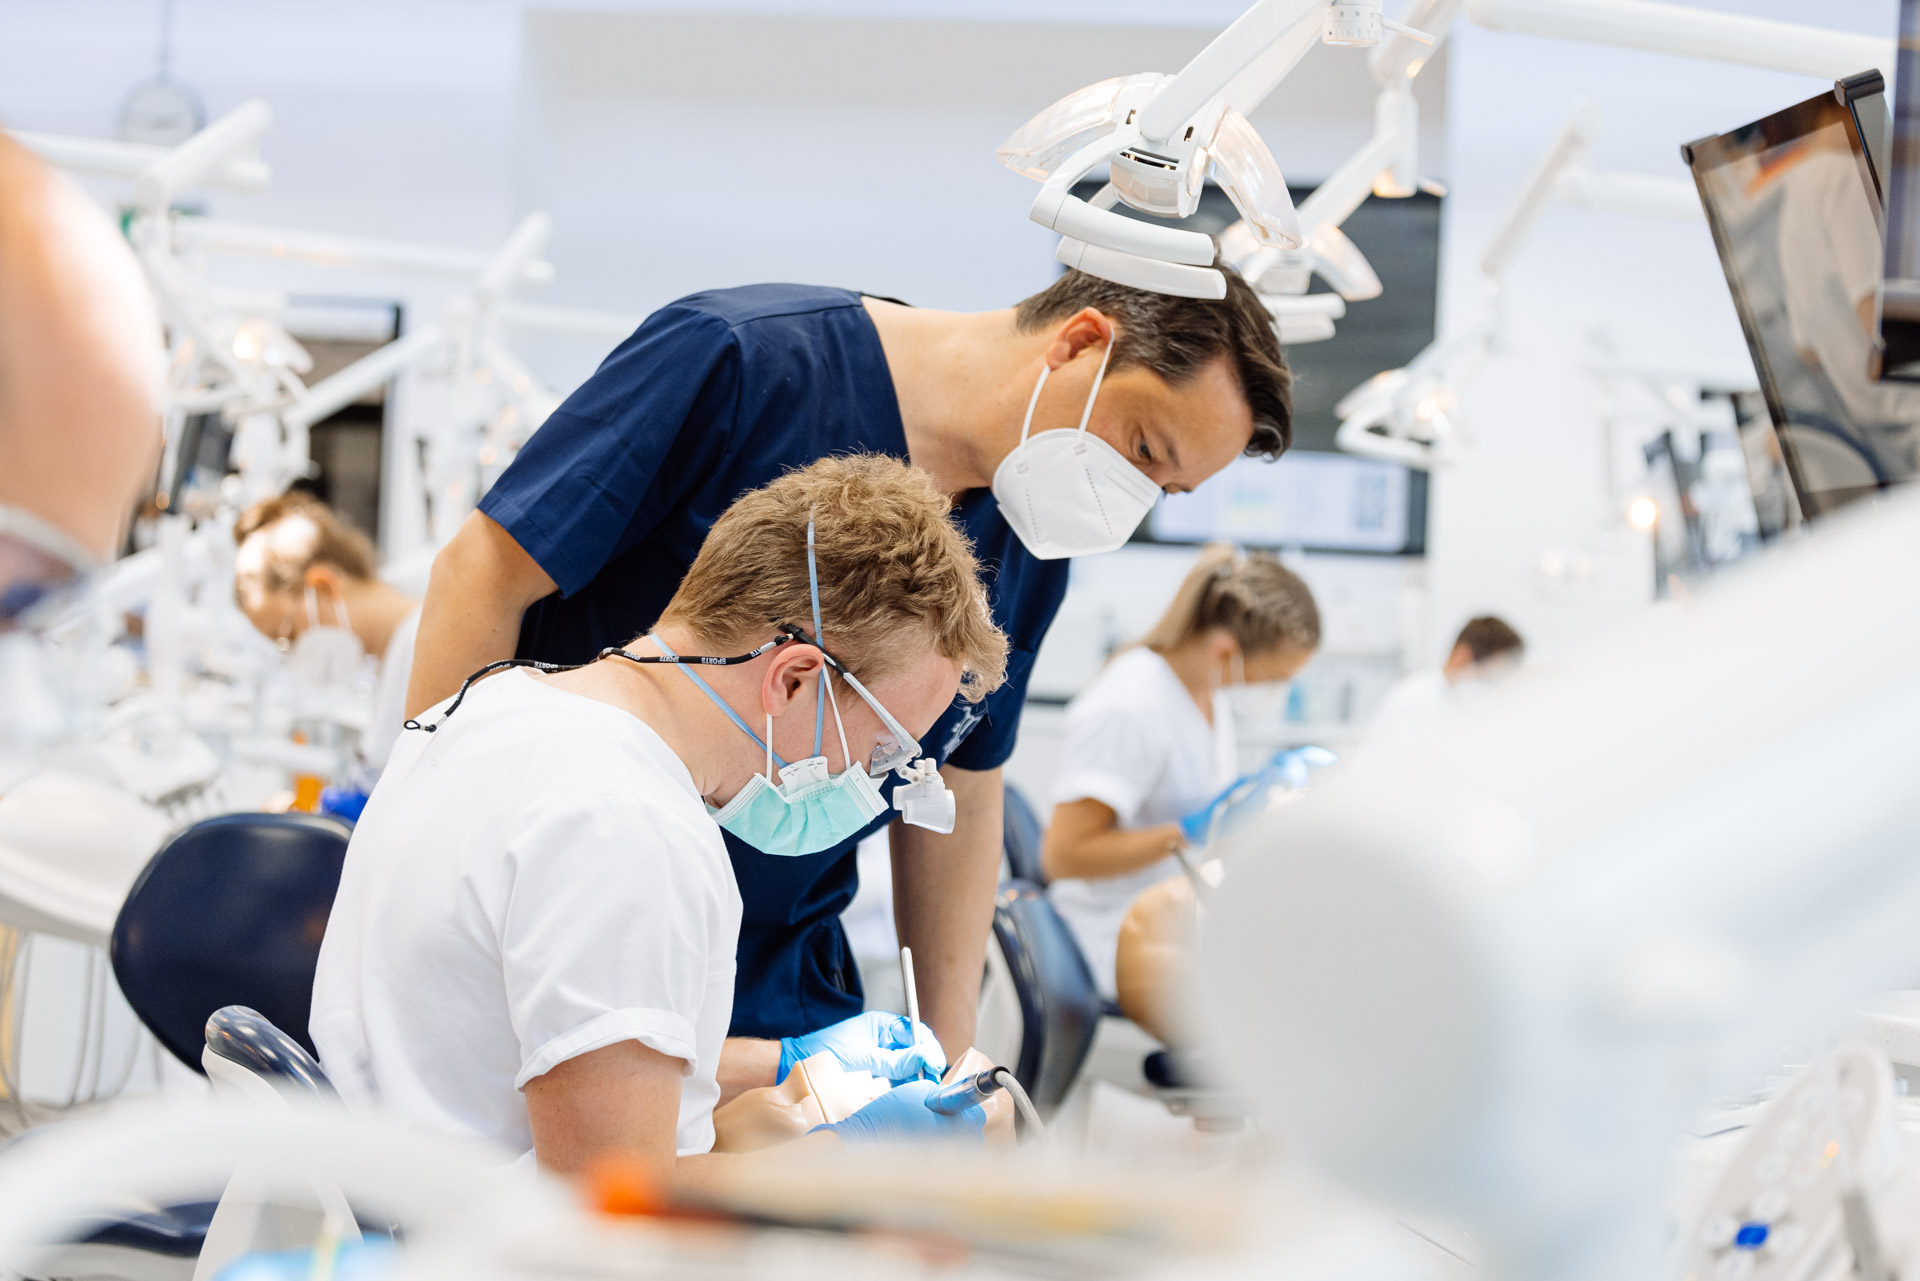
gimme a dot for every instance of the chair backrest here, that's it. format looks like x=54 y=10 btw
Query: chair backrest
x=248 y=1040
x=231 y=911
x=1060 y=1004
x=1020 y=829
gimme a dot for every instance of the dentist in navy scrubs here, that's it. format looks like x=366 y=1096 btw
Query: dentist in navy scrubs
x=1054 y=424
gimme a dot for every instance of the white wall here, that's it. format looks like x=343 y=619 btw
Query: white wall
x=1530 y=487
x=682 y=150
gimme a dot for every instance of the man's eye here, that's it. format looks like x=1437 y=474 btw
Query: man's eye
x=1146 y=453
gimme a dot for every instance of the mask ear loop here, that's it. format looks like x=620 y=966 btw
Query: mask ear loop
x=1086 y=415
x=820 y=696
x=1026 y=424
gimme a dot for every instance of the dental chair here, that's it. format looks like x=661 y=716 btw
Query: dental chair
x=230 y=912
x=215 y=949
x=1040 y=996
x=1021 y=835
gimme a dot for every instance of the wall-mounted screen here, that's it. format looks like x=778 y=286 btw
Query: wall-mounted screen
x=1401 y=241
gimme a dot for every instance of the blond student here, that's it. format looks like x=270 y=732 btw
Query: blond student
x=1151 y=739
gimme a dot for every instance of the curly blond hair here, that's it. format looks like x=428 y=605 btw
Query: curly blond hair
x=895 y=573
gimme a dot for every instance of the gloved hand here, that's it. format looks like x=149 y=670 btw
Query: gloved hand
x=902 y=1114
x=890 y=1046
x=1286 y=769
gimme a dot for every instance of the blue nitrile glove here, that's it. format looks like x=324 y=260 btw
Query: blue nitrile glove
x=1286 y=769
x=343 y=802
x=903 y=1114
x=890 y=1046
x=1289 y=768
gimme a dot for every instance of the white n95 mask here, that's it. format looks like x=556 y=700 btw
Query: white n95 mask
x=1067 y=492
x=329 y=654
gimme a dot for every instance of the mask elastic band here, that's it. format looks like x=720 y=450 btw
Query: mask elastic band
x=1086 y=415
x=1026 y=424
x=724 y=706
x=813 y=593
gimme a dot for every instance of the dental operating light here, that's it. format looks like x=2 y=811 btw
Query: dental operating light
x=1162 y=136
x=1410 y=415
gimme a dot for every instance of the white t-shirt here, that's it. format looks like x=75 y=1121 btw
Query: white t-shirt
x=1138 y=744
x=1412 y=701
x=535 y=880
x=390 y=694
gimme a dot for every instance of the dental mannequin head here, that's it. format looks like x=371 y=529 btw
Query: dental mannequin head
x=81 y=364
x=900 y=605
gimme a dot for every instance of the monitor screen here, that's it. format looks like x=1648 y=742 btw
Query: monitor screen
x=1794 y=204
x=1900 y=298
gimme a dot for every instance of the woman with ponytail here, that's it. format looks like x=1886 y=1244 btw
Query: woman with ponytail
x=1152 y=738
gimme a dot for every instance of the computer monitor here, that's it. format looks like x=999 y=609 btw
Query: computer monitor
x=1794 y=203
x=1899 y=351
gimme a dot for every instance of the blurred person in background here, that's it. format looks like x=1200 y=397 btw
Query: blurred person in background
x=1152 y=740
x=308 y=581
x=81 y=366
x=81 y=374
x=1486 y=648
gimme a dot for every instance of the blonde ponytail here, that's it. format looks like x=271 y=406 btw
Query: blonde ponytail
x=1251 y=596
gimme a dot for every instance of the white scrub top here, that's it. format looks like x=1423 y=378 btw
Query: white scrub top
x=1412 y=701
x=537 y=879
x=1138 y=744
x=390 y=694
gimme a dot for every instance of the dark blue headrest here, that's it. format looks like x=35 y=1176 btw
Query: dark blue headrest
x=1020 y=828
x=1060 y=1004
x=230 y=912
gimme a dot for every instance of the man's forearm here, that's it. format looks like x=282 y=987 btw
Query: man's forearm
x=746 y=1063
x=943 y=890
x=482 y=583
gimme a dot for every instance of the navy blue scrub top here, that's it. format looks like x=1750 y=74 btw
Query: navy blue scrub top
x=714 y=395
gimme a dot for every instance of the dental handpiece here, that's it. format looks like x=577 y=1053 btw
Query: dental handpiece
x=951 y=1100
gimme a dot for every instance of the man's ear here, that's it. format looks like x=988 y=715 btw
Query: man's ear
x=794 y=668
x=1088 y=327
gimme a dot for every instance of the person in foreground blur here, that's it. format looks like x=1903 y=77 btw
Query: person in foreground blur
x=533 y=941
x=1486 y=649
x=1152 y=739
x=307 y=581
x=81 y=365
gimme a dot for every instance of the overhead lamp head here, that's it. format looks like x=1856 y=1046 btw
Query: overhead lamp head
x=1402 y=415
x=1037 y=147
x=1098 y=125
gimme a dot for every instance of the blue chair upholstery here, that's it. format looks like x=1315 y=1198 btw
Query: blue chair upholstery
x=1060 y=1005
x=231 y=911
x=1021 y=831
x=250 y=1039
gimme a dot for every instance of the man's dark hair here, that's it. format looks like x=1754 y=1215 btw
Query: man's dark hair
x=1489 y=637
x=1177 y=337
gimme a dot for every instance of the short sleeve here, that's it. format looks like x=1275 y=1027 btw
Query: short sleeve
x=606 y=935
x=1114 y=754
x=988 y=729
x=612 y=457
